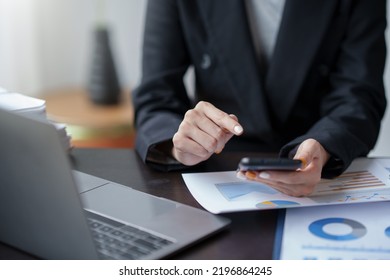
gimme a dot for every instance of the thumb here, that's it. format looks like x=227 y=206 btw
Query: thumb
x=310 y=150
x=305 y=158
x=307 y=152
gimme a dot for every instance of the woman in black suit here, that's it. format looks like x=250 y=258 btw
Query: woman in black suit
x=307 y=83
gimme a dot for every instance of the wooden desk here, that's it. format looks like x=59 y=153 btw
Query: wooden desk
x=250 y=235
x=92 y=125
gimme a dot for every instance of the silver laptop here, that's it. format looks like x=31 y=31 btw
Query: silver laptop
x=53 y=212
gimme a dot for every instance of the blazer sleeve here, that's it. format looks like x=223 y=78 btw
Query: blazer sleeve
x=161 y=99
x=353 y=109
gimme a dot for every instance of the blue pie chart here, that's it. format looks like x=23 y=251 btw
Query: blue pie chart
x=357 y=229
x=387 y=232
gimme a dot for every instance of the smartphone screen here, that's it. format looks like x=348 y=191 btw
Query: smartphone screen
x=258 y=164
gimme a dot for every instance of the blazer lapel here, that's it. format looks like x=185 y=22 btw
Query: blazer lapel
x=230 y=37
x=303 y=25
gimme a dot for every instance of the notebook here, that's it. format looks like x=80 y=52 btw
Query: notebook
x=53 y=212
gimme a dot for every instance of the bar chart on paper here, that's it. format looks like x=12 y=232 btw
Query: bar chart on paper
x=358 y=185
x=234 y=191
x=357 y=180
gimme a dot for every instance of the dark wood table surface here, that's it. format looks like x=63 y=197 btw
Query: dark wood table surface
x=250 y=235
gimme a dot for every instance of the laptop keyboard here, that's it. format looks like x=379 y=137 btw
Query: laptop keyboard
x=115 y=240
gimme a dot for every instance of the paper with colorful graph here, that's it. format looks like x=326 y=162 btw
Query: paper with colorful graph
x=337 y=232
x=366 y=180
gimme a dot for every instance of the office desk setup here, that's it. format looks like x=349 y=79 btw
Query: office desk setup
x=250 y=235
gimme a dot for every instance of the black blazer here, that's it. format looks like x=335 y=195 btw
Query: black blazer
x=324 y=80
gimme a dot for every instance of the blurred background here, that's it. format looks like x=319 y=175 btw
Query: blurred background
x=47 y=44
x=47 y=49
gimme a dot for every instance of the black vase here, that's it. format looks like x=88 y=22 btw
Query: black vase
x=103 y=85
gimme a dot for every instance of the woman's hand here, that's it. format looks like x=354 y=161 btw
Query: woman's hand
x=295 y=183
x=204 y=130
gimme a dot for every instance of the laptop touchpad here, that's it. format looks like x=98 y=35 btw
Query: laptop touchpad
x=126 y=204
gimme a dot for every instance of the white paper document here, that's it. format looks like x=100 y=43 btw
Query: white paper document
x=35 y=108
x=352 y=231
x=366 y=180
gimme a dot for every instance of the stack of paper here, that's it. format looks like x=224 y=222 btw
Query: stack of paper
x=22 y=104
x=33 y=108
x=64 y=136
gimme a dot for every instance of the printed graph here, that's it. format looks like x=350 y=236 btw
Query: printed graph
x=343 y=244
x=350 y=181
x=359 y=197
x=276 y=204
x=318 y=228
x=350 y=249
x=236 y=190
x=387 y=232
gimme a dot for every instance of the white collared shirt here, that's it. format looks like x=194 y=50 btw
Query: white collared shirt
x=264 y=18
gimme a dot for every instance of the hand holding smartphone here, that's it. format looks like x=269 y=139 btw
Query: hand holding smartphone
x=260 y=164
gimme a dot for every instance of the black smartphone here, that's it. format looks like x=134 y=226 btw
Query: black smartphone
x=258 y=164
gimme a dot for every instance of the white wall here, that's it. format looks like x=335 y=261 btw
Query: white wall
x=70 y=42
x=52 y=40
x=18 y=46
x=46 y=44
